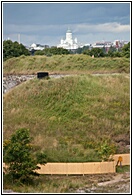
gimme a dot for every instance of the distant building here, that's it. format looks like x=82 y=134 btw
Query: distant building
x=105 y=44
x=69 y=43
x=37 y=47
x=119 y=44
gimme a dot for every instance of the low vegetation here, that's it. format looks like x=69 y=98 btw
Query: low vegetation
x=71 y=184
x=65 y=64
x=78 y=118
x=71 y=118
x=123 y=169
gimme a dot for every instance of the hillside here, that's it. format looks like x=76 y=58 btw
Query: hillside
x=65 y=64
x=70 y=117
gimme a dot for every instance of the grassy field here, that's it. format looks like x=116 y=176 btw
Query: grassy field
x=65 y=64
x=69 y=118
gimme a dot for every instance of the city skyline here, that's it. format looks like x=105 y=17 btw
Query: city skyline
x=46 y=23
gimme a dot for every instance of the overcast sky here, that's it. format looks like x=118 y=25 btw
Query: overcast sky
x=47 y=23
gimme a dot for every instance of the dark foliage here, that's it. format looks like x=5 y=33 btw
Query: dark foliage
x=13 y=49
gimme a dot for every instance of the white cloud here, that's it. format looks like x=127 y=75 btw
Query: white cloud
x=83 y=28
x=113 y=27
x=105 y=27
x=51 y=34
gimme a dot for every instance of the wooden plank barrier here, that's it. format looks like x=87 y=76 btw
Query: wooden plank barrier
x=107 y=167
x=92 y=168
x=77 y=168
x=125 y=158
x=83 y=168
x=74 y=168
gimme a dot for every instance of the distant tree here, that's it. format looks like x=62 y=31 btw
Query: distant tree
x=55 y=51
x=81 y=50
x=39 y=52
x=13 y=49
x=110 y=53
x=104 y=51
x=126 y=50
x=97 y=52
x=18 y=155
x=117 y=54
x=120 y=52
x=78 y=51
x=87 y=52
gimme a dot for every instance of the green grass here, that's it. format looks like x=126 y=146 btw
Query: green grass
x=69 y=184
x=123 y=169
x=70 y=117
x=65 y=64
x=56 y=183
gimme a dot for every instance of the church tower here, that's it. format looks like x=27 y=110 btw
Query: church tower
x=69 y=36
x=69 y=43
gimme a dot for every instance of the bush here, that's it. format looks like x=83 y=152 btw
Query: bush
x=18 y=155
x=106 y=150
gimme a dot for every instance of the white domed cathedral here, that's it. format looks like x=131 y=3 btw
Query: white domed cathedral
x=69 y=43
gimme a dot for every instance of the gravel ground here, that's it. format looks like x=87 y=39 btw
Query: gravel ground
x=120 y=183
x=11 y=81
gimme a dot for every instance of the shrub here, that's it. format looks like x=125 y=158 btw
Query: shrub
x=18 y=154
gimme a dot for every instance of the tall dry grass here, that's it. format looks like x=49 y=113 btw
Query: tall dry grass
x=65 y=64
x=70 y=117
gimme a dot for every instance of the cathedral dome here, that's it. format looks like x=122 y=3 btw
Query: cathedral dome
x=33 y=45
x=69 y=31
x=69 y=43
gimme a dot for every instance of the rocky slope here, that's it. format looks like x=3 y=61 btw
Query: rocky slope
x=110 y=183
x=10 y=81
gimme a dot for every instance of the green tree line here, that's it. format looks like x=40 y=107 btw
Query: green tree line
x=52 y=51
x=112 y=52
x=14 y=49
